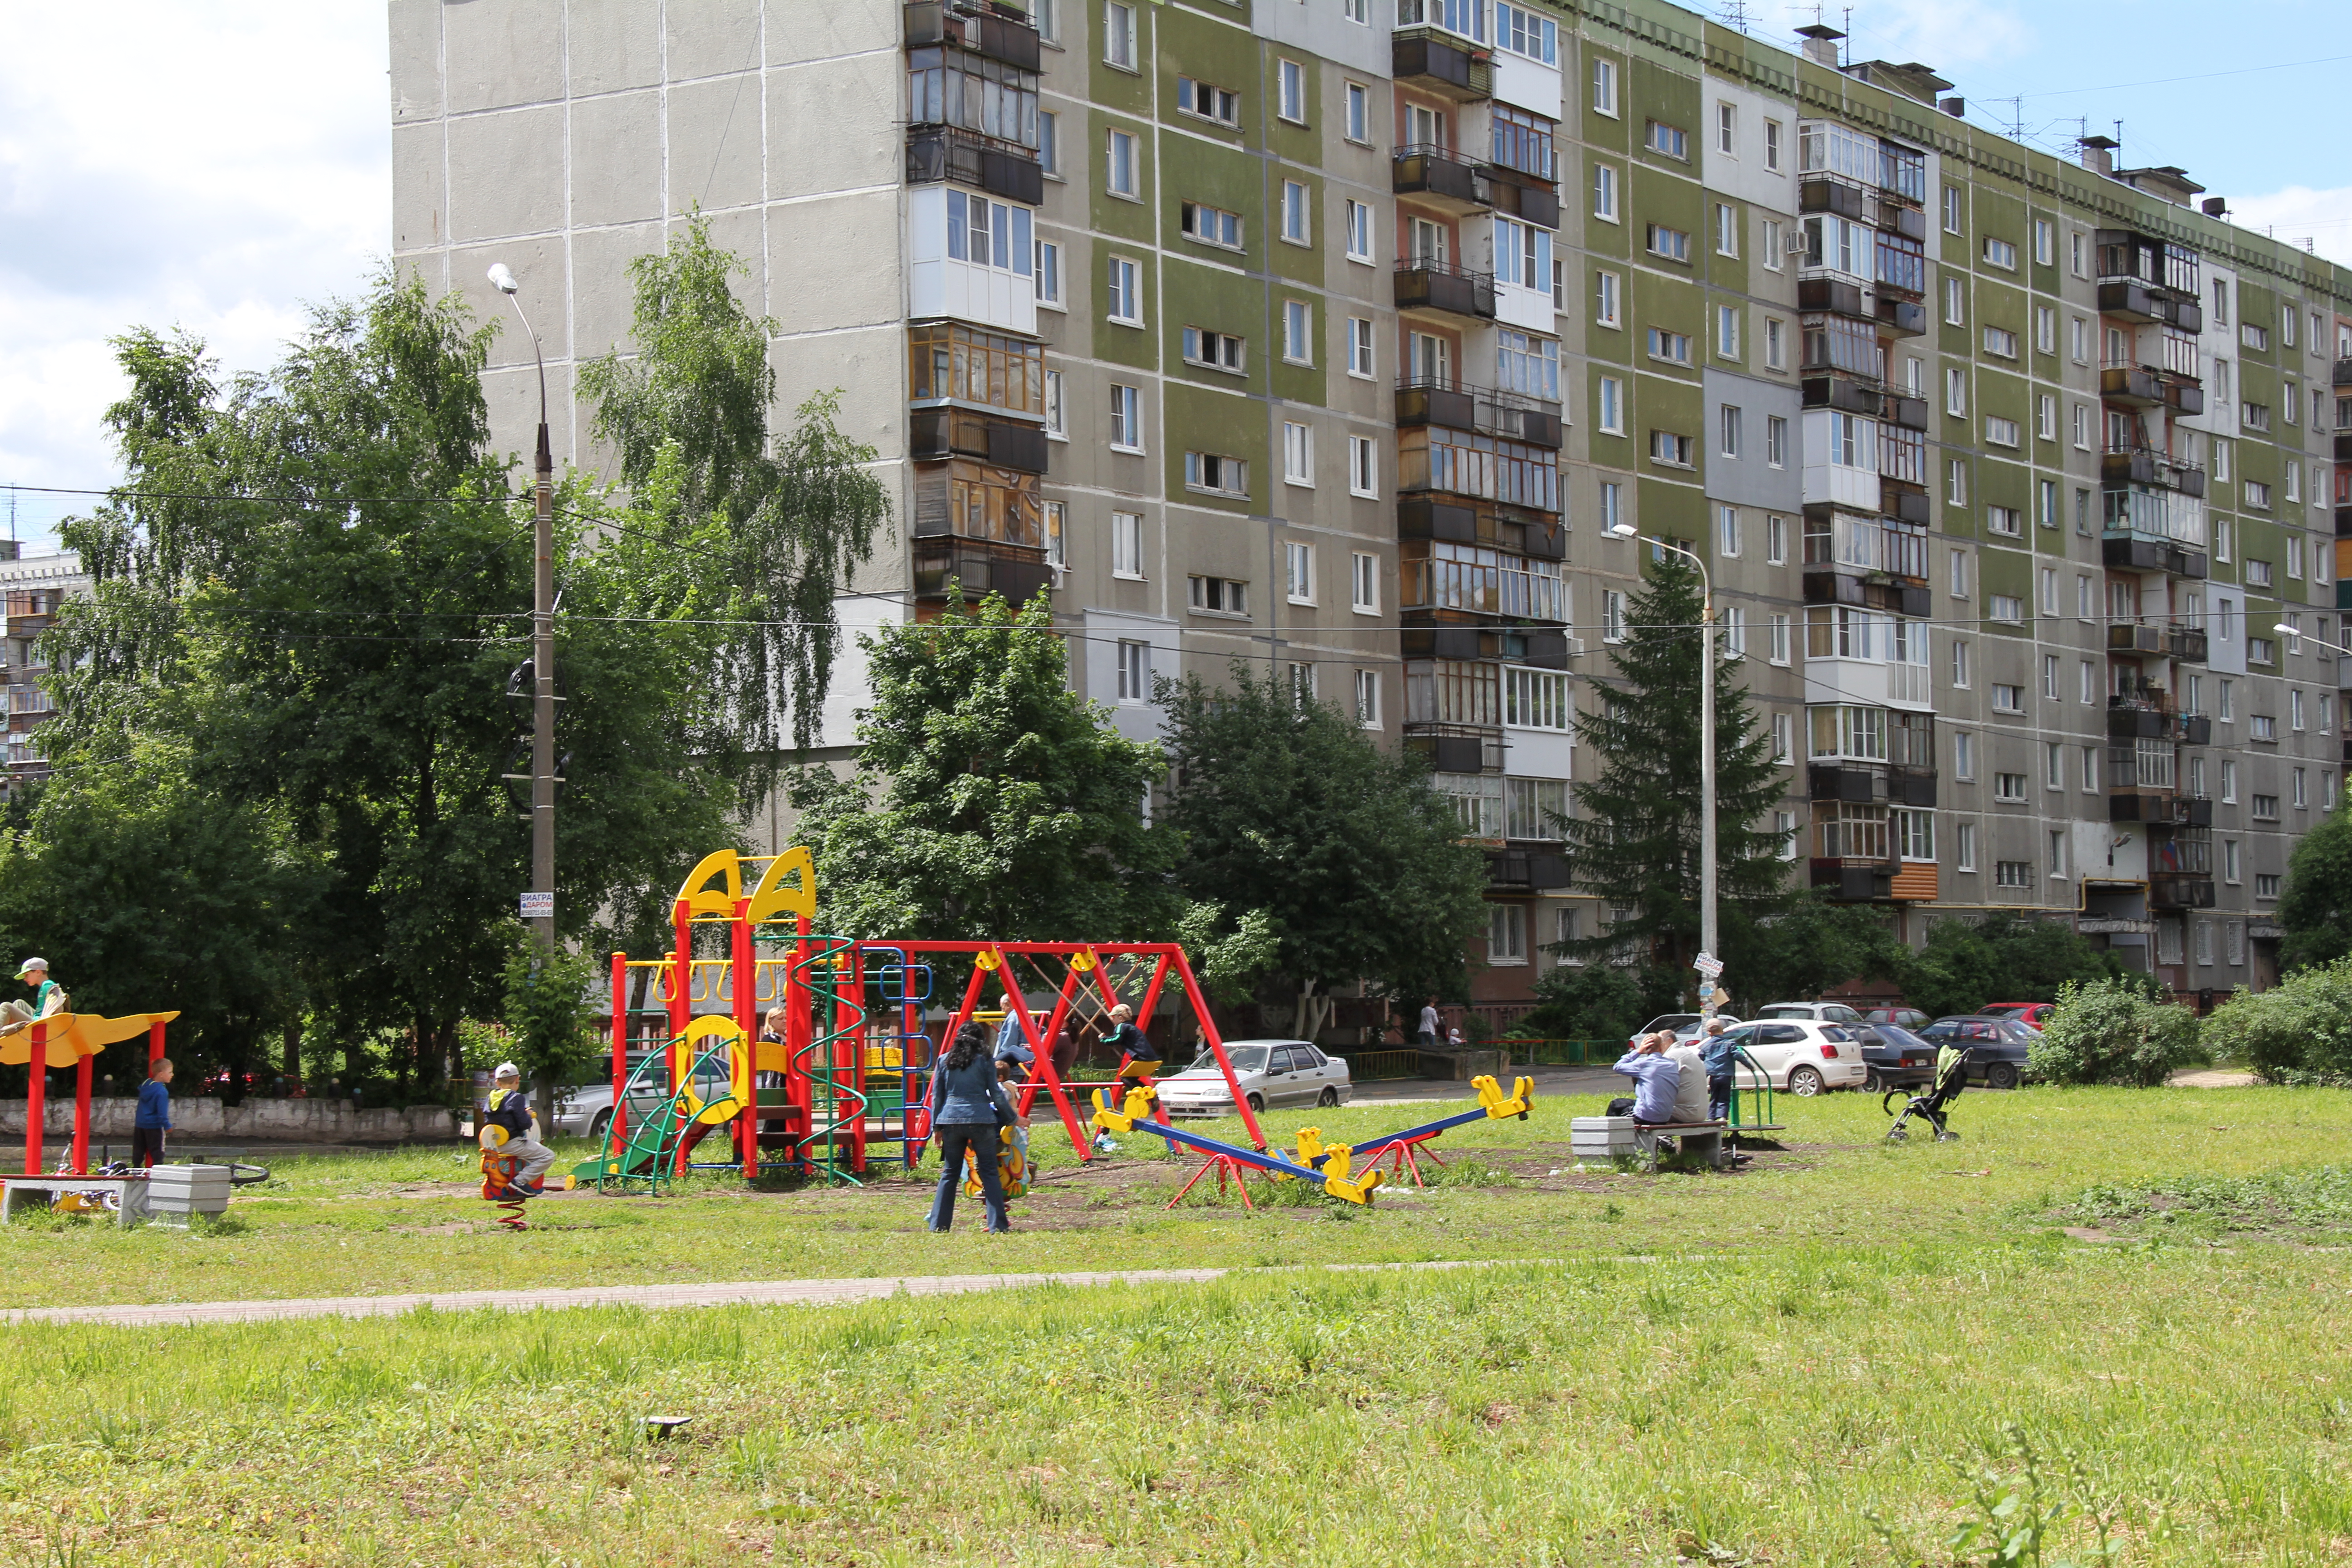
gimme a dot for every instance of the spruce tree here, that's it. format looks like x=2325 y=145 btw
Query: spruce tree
x=1633 y=838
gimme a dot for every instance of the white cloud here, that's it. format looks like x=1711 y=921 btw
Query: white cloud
x=2299 y=213
x=1940 y=33
x=212 y=167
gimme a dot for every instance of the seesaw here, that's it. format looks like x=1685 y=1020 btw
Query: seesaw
x=1404 y=1148
x=1333 y=1175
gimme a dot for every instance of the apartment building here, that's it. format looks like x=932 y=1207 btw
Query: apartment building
x=1333 y=336
x=31 y=589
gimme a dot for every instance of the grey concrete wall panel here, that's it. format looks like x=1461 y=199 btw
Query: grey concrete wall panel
x=511 y=177
x=614 y=45
x=808 y=152
x=714 y=143
x=709 y=37
x=415 y=74
x=503 y=52
x=616 y=159
x=1105 y=629
x=600 y=284
x=542 y=265
x=420 y=200
x=1318 y=29
x=513 y=398
x=865 y=365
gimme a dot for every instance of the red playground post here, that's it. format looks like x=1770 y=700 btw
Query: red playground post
x=37 y=1094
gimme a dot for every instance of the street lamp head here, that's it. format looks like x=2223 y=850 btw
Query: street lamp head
x=502 y=279
x=2287 y=631
x=1621 y=531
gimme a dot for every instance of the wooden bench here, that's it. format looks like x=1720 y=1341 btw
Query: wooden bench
x=16 y=1192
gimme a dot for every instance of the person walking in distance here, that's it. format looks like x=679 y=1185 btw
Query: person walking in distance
x=1427 y=1035
x=152 y=1123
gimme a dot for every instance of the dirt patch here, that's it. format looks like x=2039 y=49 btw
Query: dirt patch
x=2212 y=1078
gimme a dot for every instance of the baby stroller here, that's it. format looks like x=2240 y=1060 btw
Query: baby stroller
x=1952 y=1077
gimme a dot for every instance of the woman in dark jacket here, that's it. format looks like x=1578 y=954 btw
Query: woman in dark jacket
x=967 y=1106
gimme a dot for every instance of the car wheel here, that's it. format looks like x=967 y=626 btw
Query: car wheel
x=2001 y=1074
x=1257 y=1104
x=1871 y=1083
x=1329 y=1097
x=1805 y=1081
x=600 y=1127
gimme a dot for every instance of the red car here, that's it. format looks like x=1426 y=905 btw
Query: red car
x=2029 y=1014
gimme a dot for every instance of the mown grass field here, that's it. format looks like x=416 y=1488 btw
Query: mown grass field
x=1831 y=1356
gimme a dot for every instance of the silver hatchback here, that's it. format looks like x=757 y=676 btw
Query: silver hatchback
x=1270 y=1073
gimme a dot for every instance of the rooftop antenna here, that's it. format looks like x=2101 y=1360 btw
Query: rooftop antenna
x=2016 y=117
x=1844 y=46
x=1734 y=14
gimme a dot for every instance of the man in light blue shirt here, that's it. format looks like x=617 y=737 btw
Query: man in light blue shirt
x=1656 y=1078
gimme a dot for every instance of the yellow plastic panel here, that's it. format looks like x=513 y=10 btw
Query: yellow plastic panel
x=772 y=898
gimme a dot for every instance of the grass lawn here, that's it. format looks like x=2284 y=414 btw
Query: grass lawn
x=2104 y=1306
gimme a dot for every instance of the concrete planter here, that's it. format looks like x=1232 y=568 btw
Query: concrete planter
x=204 y=1119
x=1461 y=1066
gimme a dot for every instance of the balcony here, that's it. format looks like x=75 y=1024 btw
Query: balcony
x=1531 y=198
x=1911 y=413
x=937 y=433
x=2184 y=398
x=1903 y=317
x=1852 y=881
x=2187 y=643
x=2175 y=892
x=1440 y=177
x=2131 y=386
x=1839 y=391
x=2134 y=636
x=2137 y=719
x=2180 y=312
x=1422 y=284
x=2343 y=448
x=1442 y=582
x=1434 y=61
x=2140 y=465
x=980 y=568
x=1457 y=406
x=2194 y=729
x=1000 y=32
x=2343 y=524
x=1423 y=517
x=1818 y=191
x=1835 y=295
x=1528 y=866
x=1531 y=646
x=1907 y=504
x=2129 y=300
x=2343 y=374
x=950 y=153
x=2132 y=553
x=1456 y=748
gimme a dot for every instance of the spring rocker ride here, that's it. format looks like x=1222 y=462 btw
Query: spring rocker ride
x=845 y=1087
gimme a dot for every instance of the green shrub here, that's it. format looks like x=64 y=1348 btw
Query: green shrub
x=2300 y=1031
x=2108 y=1031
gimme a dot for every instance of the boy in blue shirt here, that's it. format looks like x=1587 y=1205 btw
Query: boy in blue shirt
x=154 y=1118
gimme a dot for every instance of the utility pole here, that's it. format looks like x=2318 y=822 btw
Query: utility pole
x=539 y=903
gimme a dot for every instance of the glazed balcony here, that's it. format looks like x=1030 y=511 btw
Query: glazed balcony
x=979 y=567
x=1442 y=288
x=2179 y=892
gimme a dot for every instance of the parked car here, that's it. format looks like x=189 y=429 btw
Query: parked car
x=1905 y=1017
x=1819 y=1012
x=1801 y=1056
x=1270 y=1073
x=2033 y=1014
x=1896 y=1057
x=1997 y=1048
x=1697 y=1027
x=1673 y=1022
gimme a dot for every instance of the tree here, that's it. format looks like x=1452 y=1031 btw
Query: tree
x=2110 y=1031
x=989 y=799
x=2299 y=1031
x=2316 y=907
x=1633 y=838
x=546 y=1012
x=1286 y=807
x=2001 y=958
x=1587 y=1002
x=1807 y=949
x=797 y=520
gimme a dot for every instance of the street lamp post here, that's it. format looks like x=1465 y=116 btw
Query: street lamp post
x=1706 y=926
x=540 y=902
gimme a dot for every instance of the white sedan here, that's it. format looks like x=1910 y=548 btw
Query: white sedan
x=1798 y=1056
x=1270 y=1073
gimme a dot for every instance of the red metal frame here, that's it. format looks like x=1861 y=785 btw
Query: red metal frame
x=37 y=1096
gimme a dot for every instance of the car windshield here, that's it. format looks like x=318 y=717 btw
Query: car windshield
x=1897 y=1036
x=2017 y=1033
x=1831 y=1032
x=1244 y=1058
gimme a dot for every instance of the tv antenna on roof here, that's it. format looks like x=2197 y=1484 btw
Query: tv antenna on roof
x=1734 y=14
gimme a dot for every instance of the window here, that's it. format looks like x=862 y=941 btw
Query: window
x=2264 y=726
x=1134 y=672
x=2255 y=337
x=2000 y=253
x=1771 y=247
x=1359 y=113
x=2298 y=795
x=1522 y=32
x=1537 y=699
x=1672 y=244
x=1294 y=226
x=1363 y=467
x=2049 y=676
x=1049 y=274
x=1776 y=441
x=1118 y=35
x=1728 y=426
x=1527 y=365
x=1049 y=145
x=1958 y=573
x=2078 y=341
x=1220 y=596
x=1666 y=345
x=1210 y=225
x=1661 y=137
x=1047 y=15
x=1772 y=145
x=1956 y=391
x=1610 y=416
x=1507 y=934
x=1217 y=475
x=1780 y=628
x=1726 y=230
x=1297 y=456
x=1612 y=616
x=1776 y=540
x=2294 y=549
x=2001 y=432
x=1604 y=299
x=1726 y=128
x=1126 y=545
x=2078 y=253
x=1360 y=232
x=2045 y=509
x=2003 y=518
x=1298 y=563
x=2087 y=682
x=1604 y=88
x=1726 y=331
x=2081 y=427
x=1219 y=350
x=2229 y=782
x=1955 y=302
x=1057 y=547
x=2294 y=709
x=1726 y=527
x=1208 y=102
x=1291 y=87
x=1302 y=684
x=1056 y=424
x=2008 y=697
x=2258 y=571
x=1364 y=583
x=2226 y=712
x=2056 y=838
x=2001 y=341
x=1368 y=698
x=2053 y=765
x=1119 y=175
x=2005 y=607
x=1604 y=193
x=1126 y=419
x=1956 y=482
x=1522 y=255
x=1667 y=446
x=1735 y=632
x=1784 y=738
x=2008 y=786
x=2266 y=808
x=1297 y=332
x=2090 y=770
x=2230 y=861
x=2220 y=302
x=1964 y=755
x=2045 y=242
x=2012 y=873
x=1964 y=846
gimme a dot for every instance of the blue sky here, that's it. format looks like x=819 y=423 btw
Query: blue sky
x=216 y=166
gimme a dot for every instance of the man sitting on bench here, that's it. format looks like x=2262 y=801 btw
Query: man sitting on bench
x=1657 y=1080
